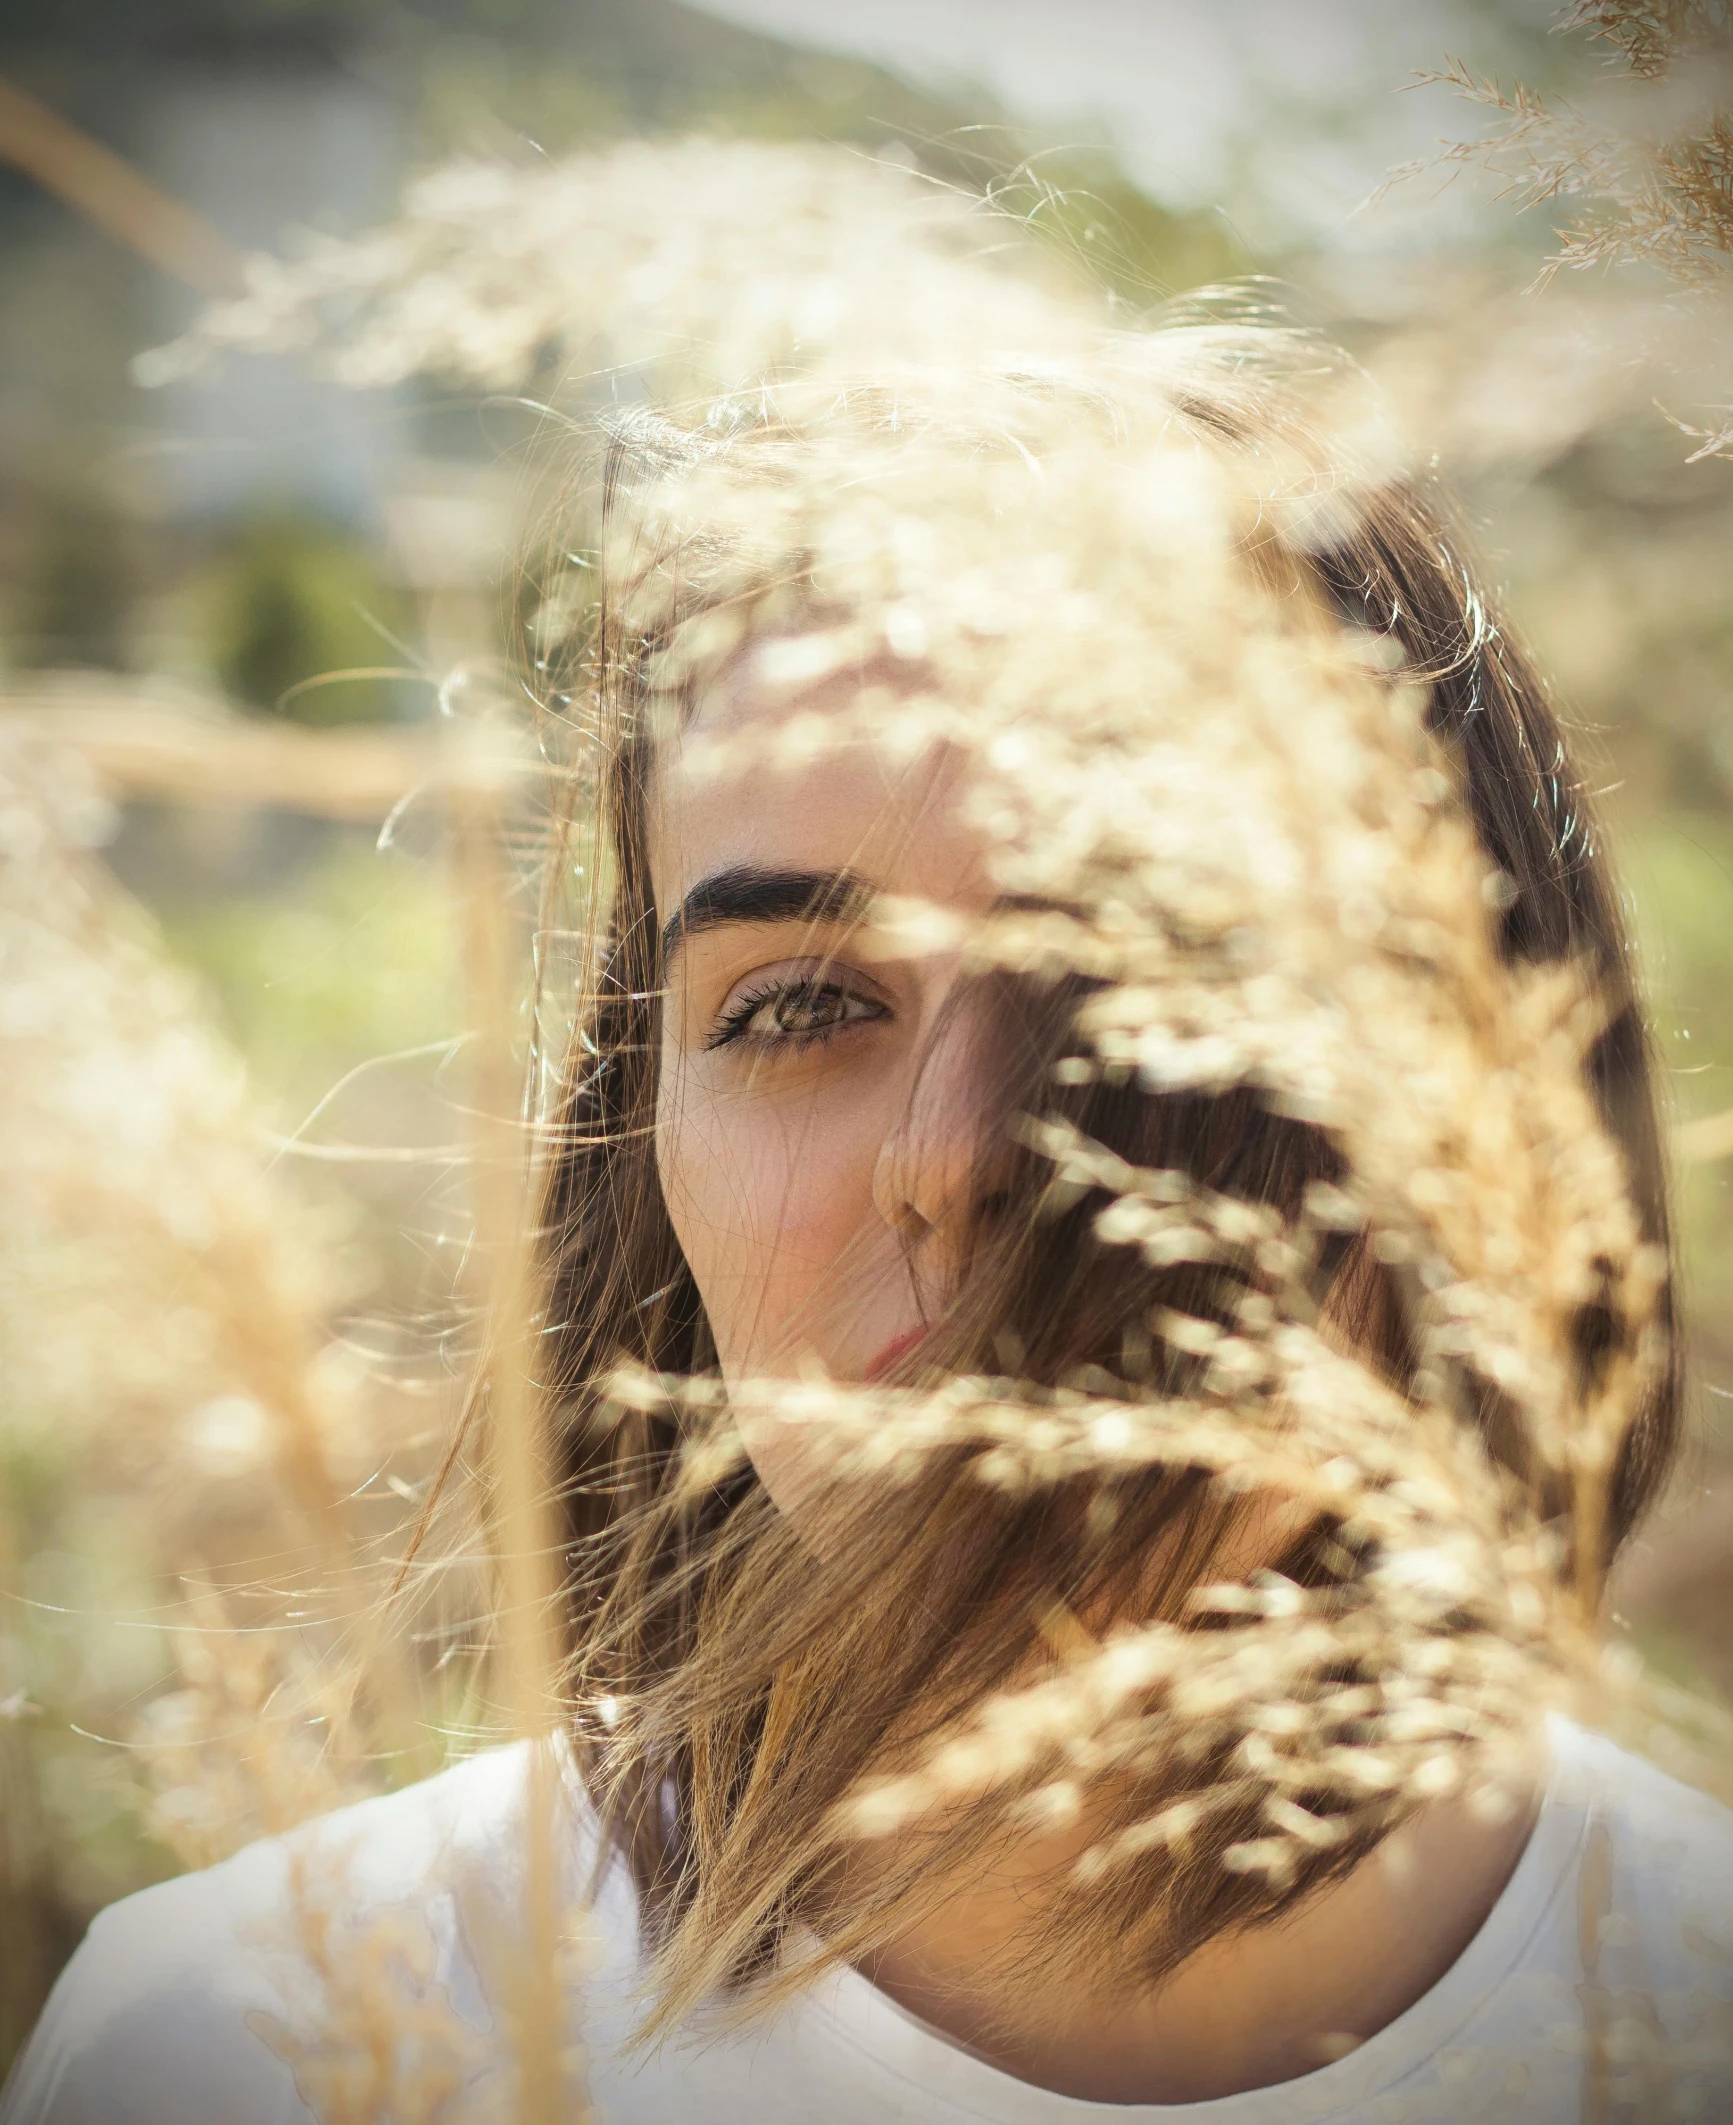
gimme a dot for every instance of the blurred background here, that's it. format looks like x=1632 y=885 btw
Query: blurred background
x=269 y=577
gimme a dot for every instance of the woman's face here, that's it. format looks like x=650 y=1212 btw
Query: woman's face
x=819 y=1103
x=819 y=1110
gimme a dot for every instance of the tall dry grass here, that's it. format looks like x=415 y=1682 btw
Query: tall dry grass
x=1317 y=925
x=1644 y=172
x=186 y=1324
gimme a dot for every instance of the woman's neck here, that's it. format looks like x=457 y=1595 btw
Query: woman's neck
x=1246 y=2011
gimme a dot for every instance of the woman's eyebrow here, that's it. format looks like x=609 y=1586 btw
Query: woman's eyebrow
x=747 y=892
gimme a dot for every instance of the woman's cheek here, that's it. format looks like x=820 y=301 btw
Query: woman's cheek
x=737 y=1199
x=766 y=1199
x=710 y=1218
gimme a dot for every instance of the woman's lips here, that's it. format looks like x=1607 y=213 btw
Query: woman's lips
x=894 y=1351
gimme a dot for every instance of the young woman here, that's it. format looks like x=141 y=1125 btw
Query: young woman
x=1106 y=1317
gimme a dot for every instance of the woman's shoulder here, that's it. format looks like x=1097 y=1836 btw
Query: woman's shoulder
x=1656 y=1869
x=362 y=1861
x=209 y=1996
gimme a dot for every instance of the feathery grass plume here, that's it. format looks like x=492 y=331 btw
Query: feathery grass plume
x=1655 y=173
x=1666 y=201
x=170 y=1301
x=367 y=2017
x=519 y=1480
x=260 y=1737
x=169 y=1309
x=134 y=1185
x=1654 y=35
x=1223 y=693
x=367 y=2030
x=734 y=258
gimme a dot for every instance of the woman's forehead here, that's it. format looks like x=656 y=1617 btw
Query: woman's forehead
x=782 y=674
x=730 y=789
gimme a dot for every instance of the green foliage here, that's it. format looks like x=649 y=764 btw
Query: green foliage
x=71 y=1838
x=1098 y=219
x=71 y=602
x=359 y=961
x=1680 y=871
x=291 y=608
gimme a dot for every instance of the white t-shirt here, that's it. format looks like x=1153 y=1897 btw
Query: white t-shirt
x=1600 y=1987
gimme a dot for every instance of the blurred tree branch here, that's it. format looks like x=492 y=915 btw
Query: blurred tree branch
x=109 y=192
x=141 y=745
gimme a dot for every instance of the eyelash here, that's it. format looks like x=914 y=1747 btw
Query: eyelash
x=733 y=1026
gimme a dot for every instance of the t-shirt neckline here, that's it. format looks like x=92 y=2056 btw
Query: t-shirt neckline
x=869 y=2022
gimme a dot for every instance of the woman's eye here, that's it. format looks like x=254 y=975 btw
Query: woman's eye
x=793 y=1014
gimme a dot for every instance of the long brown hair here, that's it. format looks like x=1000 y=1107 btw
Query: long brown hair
x=732 y=1690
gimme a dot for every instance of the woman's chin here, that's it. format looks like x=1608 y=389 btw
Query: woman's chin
x=851 y=1363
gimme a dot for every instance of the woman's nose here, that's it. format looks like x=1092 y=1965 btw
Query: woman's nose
x=927 y=1169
